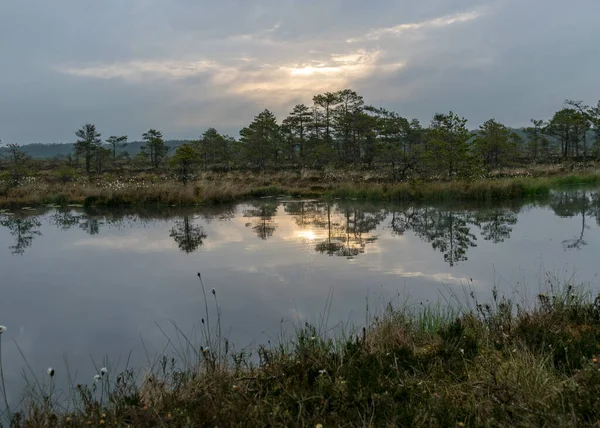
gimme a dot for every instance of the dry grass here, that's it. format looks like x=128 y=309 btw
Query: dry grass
x=149 y=189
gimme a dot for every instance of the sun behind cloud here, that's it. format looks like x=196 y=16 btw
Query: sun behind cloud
x=287 y=70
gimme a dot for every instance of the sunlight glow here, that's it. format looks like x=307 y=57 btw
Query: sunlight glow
x=247 y=77
x=306 y=234
x=354 y=64
x=307 y=71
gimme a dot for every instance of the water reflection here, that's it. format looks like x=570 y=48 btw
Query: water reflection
x=577 y=203
x=496 y=224
x=65 y=219
x=348 y=226
x=449 y=233
x=23 y=228
x=188 y=235
x=339 y=228
x=262 y=214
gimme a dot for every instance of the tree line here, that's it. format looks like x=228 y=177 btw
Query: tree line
x=338 y=129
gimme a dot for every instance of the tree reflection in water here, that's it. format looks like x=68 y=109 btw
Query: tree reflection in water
x=262 y=214
x=348 y=227
x=23 y=229
x=189 y=236
x=577 y=203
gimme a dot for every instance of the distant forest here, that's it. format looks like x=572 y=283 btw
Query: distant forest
x=62 y=151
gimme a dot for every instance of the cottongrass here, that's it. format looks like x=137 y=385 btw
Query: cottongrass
x=143 y=189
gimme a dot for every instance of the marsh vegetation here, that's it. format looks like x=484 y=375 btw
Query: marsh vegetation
x=470 y=363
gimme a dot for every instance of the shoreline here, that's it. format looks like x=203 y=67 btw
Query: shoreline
x=141 y=191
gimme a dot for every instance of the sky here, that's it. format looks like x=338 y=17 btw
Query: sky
x=182 y=66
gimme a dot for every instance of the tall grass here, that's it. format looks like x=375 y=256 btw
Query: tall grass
x=495 y=363
x=107 y=191
x=6 y=411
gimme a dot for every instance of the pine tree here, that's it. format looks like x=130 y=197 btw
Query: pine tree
x=213 y=148
x=262 y=140
x=447 y=150
x=538 y=146
x=296 y=127
x=87 y=144
x=154 y=147
x=116 y=144
x=495 y=144
x=184 y=162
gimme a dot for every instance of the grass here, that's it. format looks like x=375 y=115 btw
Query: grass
x=476 y=364
x=149 y=189
x=482 y=190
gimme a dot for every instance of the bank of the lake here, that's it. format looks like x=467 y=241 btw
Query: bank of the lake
x=471 y=364
x=151 y=189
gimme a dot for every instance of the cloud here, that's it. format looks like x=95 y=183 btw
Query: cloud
x=264 y=67
x=137 y=70
x=309 y=78
x=140 y=244
x=262 y=36
x=439 y=277
x=398 y=30
x=184 y=66
x=246 y=77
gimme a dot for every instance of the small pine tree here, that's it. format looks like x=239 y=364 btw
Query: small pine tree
x=185 y=161
x=87 y=144
x=448 y=151
x=154 y=147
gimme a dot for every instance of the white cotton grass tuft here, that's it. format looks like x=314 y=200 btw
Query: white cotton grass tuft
x=97 y=378
x=103 y=371
x=2 y=329
x=51 y=372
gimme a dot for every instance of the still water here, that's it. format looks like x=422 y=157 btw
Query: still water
x=87 y=284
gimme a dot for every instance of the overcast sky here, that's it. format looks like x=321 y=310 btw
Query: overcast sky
x=184 y=65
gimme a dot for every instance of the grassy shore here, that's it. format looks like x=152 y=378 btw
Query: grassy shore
x=152 y=189
x=492 y=364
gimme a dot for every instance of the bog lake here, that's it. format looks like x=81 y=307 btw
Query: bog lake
x=97 y=287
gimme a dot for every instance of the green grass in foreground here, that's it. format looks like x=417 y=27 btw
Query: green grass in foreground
x=494 y=364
